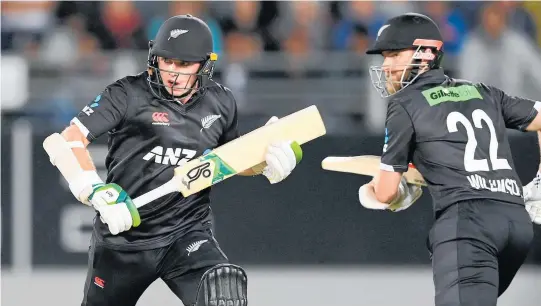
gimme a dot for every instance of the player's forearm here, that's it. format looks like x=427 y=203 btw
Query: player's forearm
x=383 y=195
x=72 y=134
x=386 y=186
x=67 y=152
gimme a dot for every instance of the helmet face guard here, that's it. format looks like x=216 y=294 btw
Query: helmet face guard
x=184 y=38
x=381 y=76
x=159 y=88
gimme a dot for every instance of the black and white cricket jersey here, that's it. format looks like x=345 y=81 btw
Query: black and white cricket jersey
x=148 y=138
x=454 y=132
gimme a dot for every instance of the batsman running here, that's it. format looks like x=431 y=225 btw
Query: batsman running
x=157 y=120
x=454 y=132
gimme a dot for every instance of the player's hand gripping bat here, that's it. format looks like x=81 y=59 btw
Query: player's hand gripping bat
x=367 y=165
x=238 y=155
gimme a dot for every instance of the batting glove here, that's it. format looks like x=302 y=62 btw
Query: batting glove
x=533 y=207
x=281 y=159
x=115 y=207
x=407 y=195
x=532 y=191
x=532 y=198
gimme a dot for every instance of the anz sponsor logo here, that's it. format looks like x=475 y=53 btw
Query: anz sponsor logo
x=170 y=156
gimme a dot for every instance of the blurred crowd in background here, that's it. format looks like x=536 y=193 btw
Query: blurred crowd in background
x=242 y=28
x=493 y=42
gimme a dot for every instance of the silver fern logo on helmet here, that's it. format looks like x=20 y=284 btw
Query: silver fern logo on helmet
x=176 y=33
x=382 y=29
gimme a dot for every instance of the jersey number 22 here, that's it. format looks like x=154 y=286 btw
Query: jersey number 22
x=470 y=163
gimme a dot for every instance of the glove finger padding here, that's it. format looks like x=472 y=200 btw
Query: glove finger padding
x=534 y=210
x=273 y=171
x=128 y=217
x=407 y=195
x=532 y=191
x=110 y=220
x=367 y=197
x=113 y=228
x=284 y=155
x=132 y=210
x=119 y=217
x=281 y=158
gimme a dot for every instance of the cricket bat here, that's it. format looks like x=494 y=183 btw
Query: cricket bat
x=367 y=165
x=238 y=155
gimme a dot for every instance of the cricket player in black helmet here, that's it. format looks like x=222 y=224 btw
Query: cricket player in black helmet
x=454 y=132
x=156 y=121
x=188 y=40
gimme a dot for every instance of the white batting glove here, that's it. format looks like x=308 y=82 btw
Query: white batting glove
x=116 y=208
x=532 y=191
x=281 y=159
x=117 y=217
x=407 y=195
x=106 y=194
x=532 y=198
x=367 y=197
x=534 y=210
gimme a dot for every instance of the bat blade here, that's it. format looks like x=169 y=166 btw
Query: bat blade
x=368 y=165
x=240 y=154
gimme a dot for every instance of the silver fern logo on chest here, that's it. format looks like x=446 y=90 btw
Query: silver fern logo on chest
x=207 y=121
x=195 y=246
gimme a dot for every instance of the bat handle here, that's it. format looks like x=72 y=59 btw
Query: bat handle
x=154 y=194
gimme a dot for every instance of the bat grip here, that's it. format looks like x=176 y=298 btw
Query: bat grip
x=154 y=194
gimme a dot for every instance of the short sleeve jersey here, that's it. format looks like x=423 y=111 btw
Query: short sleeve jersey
x=147 y=139
x=454 y=133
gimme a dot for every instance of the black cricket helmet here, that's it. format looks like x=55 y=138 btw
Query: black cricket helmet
x=408 y=31
x=185 y=38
